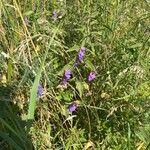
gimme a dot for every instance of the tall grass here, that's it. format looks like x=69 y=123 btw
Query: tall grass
x=41 y=39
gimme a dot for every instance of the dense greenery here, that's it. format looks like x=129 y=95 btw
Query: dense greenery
x=39 y=40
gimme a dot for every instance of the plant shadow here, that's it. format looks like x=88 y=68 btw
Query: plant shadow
x=13 y=130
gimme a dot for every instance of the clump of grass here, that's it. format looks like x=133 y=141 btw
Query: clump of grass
x=106 y=90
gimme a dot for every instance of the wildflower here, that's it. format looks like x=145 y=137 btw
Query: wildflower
x=54 y=15
x=66 y=76
x=39 y=90
x=72 y=107
x=91 y=75
x=80 y=56
x=81 y=53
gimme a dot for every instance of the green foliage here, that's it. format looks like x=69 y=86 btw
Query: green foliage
x=37 y=47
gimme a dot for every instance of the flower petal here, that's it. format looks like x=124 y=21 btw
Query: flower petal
x=91 y=75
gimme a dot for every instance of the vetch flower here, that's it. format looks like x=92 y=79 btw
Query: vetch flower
x=66 y=76
x=39 y=90
x=54 y=15
x=81 y=53
x=72 y=107
x=91 y=75
x=80 y=56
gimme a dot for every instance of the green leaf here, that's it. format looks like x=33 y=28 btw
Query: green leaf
x=65 y=95
x=33 y=93
x=80 y=88
x=89 y=65
x=136 y=45
x=28 y=13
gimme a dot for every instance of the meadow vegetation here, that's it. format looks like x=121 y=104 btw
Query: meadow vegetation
x=74 y=74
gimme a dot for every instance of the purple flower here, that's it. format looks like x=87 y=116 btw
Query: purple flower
x=81 y=53
x=66 y=76
x=72 y=107
x=80 y=56
x=91 y=75
x=54 y=15
x=39 y=90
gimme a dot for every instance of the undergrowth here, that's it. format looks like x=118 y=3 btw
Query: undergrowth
x=103 y=103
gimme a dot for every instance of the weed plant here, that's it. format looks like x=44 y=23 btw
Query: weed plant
x=74 y=74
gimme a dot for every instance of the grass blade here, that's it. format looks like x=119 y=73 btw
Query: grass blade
x=33 y=92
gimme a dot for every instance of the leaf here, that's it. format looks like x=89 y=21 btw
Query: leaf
x=136 y=45
x=70 y=118
x=66 y=96
x=89 y=65
x=88 y=145
x=74 y=48
x=3 y=79
x=63 y=111
x=80 y=88
x=143 y=134
x=28 y=13
x=42 y=21
x=33 y=93
x=86 y=86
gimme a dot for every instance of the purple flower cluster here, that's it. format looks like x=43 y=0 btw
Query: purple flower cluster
x=80 y=56
x=54 y=15
x=66 y=76
x=91 y=75
x=81 y=53
x=73 y=106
